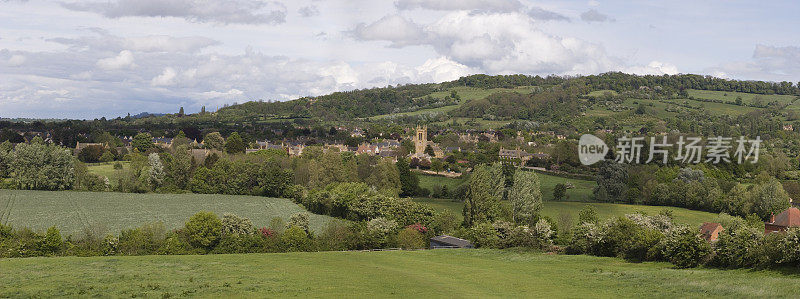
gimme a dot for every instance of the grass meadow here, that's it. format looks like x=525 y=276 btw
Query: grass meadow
x=559 y=209
x=442 y=273
x=109 y=212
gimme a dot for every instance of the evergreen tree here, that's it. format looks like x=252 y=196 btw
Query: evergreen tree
x=409 y=183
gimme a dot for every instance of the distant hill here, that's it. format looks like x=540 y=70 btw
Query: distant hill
x=557 y=93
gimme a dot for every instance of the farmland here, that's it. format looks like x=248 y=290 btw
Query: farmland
x=110 y=212
x=581 y=192
x=555 y=210
x=429 y=273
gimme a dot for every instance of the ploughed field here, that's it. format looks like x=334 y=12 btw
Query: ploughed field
x=408 y=274
x=109 y=212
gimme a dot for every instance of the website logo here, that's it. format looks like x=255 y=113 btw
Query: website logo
x=591 y=149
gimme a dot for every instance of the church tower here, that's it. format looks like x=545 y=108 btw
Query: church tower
x=421 y=139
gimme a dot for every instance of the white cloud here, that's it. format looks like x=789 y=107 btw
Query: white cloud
x=768 y=62
x=653 y=68
x=222 y=12
x=442 y=69
x=393 y=28
x=167 y=78
x=16 y=60
x=123 y=60
x=482 y=5
x=157 y=43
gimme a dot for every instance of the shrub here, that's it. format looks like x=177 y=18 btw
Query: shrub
x=410 y=238
x=296 y=239
x=300 y=220
x=204 y=229
x=277 y=225
x=336 y=236
x=381 y=232
x=587 y=215
x=484 y=235
x=235 y=225
x=734 y=246
x=684 y=248
x=560 y=191
x=51 y=243
x=177 y=243
x=143 y=240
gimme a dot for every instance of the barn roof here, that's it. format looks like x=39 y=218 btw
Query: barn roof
x=788 y=218
x=452 y=241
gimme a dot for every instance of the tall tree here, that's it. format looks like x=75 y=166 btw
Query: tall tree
x=526 y=198
x=486 y=189
x=408 y=181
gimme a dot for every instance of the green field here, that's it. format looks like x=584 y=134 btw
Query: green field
x=583 y=188
x=443 y=273
x=107 y=170
x=555 y=210
x=581 y=192
x=429 y=181
x=110 y=212
x=747 y=98
x=466 y=94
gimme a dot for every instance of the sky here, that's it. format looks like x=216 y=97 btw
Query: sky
x=107 y=58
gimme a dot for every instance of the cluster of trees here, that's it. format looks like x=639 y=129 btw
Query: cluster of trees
x=690 y=188
x=206 y=233
x=360 y=202
x=637 y=237
x=36 y=165
x=553 y=104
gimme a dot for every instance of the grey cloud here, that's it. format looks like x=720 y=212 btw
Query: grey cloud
x=593 y=15
x=541 y=14
x=394 y=28
x=308 y=11
x=776 y=63
x=221 y=12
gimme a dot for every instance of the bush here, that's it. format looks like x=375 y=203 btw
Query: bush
x=143 y=240
x=410 y=238
x=484 y=235
x=684 y=248
x=296 y=239
x=52 y=243
x=381 y=232
x=204 y=229
x=734 y=247
x=235 y=225
x=300 y=220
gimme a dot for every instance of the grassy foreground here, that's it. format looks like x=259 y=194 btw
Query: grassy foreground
x=429 y=273
x=109 y=212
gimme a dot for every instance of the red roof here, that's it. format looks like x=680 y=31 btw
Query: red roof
x=708 y=228
x=788 y=218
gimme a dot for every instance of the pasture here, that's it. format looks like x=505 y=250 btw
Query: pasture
x=581 y=192
x=442 y=273
x=559 y=209
x=110 y=212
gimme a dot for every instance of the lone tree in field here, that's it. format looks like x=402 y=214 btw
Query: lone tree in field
x=559 y=191
x=526 y=198
x=235 y=144
x=485 y=190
